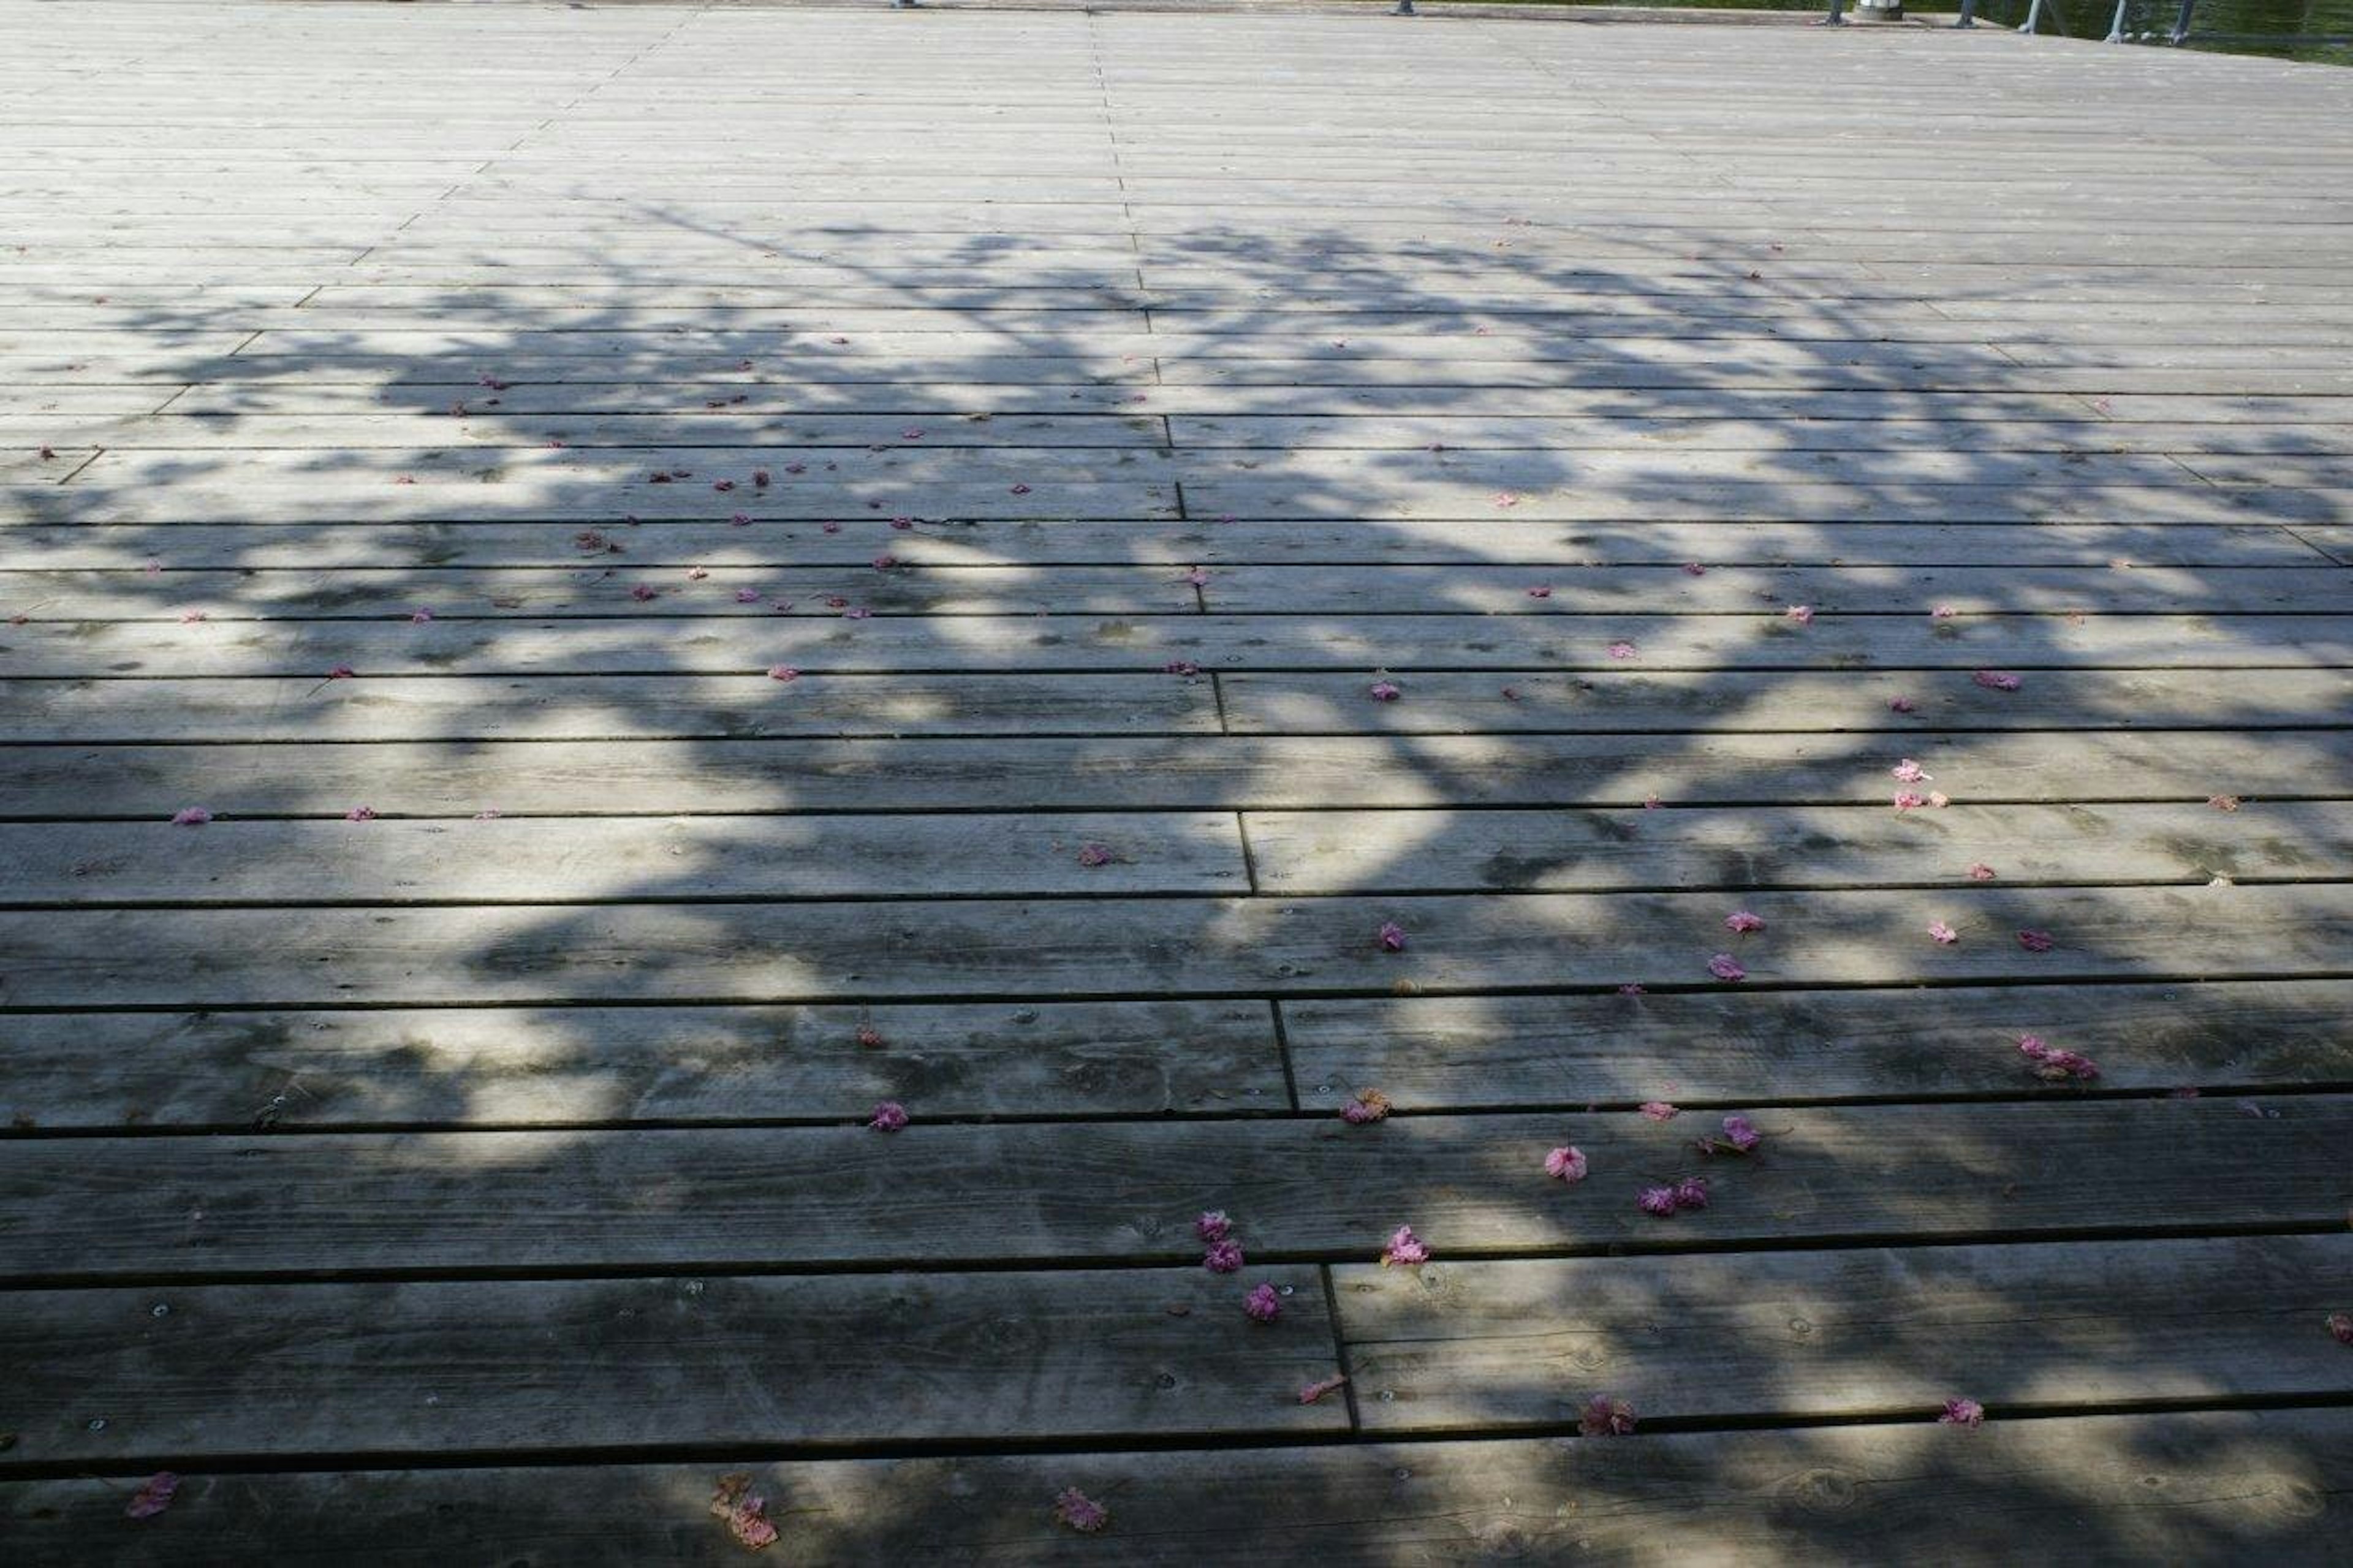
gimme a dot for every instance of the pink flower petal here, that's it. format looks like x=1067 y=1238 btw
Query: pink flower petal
x=1265 y=1304
x=1962 y=1413
x=2340 y=1328
x=1606 y=1417
x=1622 y=650
x=1390 y=938
x=1566 y=1163
x=1386 y=691
x=1315 y=1391
x=2036 y=941
x=1997 y=679
x=152 y=1497
x=1657 y=1202
x=191 y=816
x=1942 y=934
x=1981 y=872
x=1215 y=1225
x=1908 y=772
x=1075 y=1509
x=1404 y=1250
x=1659 y=1110
x=1723 y=966
x=360 y=814
x=1743 y=922
x=1801 y=613
x=783 y=672
x=1095 y=855
x=889 y=1116
x=1543 y=591
x=1224 y=1256
x=1366 y=1105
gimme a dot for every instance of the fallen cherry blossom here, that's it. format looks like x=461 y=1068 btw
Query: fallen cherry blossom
x=1962 y=1413
x=1691 y=1193
x=2223 y=802
x=1801 y=613
x=1542 y=591
x=1265 y=1304
x=1366 y=1105
x=1902 y=705
x=1723 y=966
x=1624 y=650
x=1997 y=681
x=1909 y=800
x=1566 y=1163
x=1404 y=1249
x=2055 y=1065
x=1740 y=1137
x=1180 y=666
x=2340 y=1328
x=783 y=672
x=360 y=814
x=1390 y=938
x=1075 y=1509
x=1606 y=1417
x=152 y=1497
x=1743 y=922
x=1224 y=1256
x=1909 y=771
x=890 y=1116
x=1315 y=1391
x=1942 y=934
x=1659 y=1110
x=1386 y=691
x=1215 y=1225
x=1981 y=872
x=342 y=672
x=191 y=816
x=2036 y=941
x=745 y=1510
x=1095 y=855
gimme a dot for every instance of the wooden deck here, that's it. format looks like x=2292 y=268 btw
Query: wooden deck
x=472 y=415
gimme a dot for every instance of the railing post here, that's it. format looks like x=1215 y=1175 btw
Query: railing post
x=2033 y=15
x=1405 y=8
x=1837 y=19
x=2117 y=27
x=2182 y=23
x=1968 y=14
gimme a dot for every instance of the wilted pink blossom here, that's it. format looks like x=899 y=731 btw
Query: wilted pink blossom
x=1962 y=1413
x=152 y=1497
x=1506 y=498
x=1659 y=1110
x=2056 y=1065
x=2340 y=1328
x=857 y=613
x=1180 y=666
x=190 y=618
x=745 y=1510
x=2035 y=941
x=1801 y=613
x=645 y=592
x=1624 y=650
x=1265 y=1304
x=1981 y=872
x=1693 y=569
x=1405 y=1249
x=889 y=1117
x=1366 y=1105
x=1997 y=679
x=1390 y=938
x=1743 y=922
x=1081 y=1513
x=1215 y=1225
x=342 y=672
x=1909 y=800
x=1938 y=799
x=1315 y=1391
x=1095 y=855
x=783 y=672
x=1633 y=988
x=1942 y=934
x=191 y=816
x=2223 y=802
x=1741 y=1133
x=1658 y=1200
x=1723 y=966
x=1198 y=578
x=1386 y=691
x=1566 y=1163
x=1908 y=772
x=1020 y=489
x=1224 y=1256
x=360 y=814
x=1691 y=1193
x=759 y=478
x=1541 y=591
x=1606 y=1417
x=1902 y=705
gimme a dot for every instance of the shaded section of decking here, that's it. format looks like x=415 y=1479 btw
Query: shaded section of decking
x=846 y=555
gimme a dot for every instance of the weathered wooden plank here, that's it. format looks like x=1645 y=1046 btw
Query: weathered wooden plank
x=653 y=644
x=1471 y=1345
x=1818 y=846
x=2189 y=1487
x=965 y=541
x=1025 y=772
x=710 y=1362
x=1785 y=702
x=544 y=859
x=560 y=708
x=1430 y=1053
x=526 y=1067
x=94 y=1210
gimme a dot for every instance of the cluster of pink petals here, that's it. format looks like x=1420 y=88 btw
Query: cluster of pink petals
x=889 y=1117
x=1390 y=938
x=2058 y=1065
x=1740 y=1137
x=342 y=672
x=2340 y=1327
x=191 y=816
x=153 y=1496
x=1743 y=922
x=745 y=1510
x=1659 y=1110
x=1081 y=1513
x=1180 y=666
x=1404 y=1250
x=1541 y=591
x=1981 y=872
x=1606 y=1417
x=1386 y=691
x=2223 y=802
x=1566 y=1163
x=1942 y=934
x=1215 y=1225
x=1723 y=966
x=1902 y=705
x=1223 y=1256
x=1962 y=1413
x=1691 y=1193
x=1095 y=855
x=360 y=814
x=1909 y=771
x=1265 y=1304
x=783 y=672
x=2036 y=941
x=1624 y=650
x=1997 y=681
x=1366 y=1105
x=1315 y=1391
x=1801 y=613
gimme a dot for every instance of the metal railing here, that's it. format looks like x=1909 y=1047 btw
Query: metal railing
x=2183 y=31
